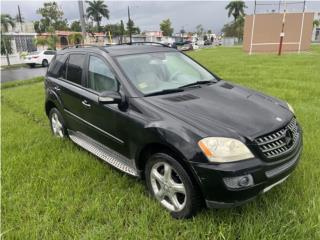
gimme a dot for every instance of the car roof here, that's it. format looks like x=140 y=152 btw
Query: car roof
x=120 y=50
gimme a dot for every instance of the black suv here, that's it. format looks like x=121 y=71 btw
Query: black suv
x=153 y=112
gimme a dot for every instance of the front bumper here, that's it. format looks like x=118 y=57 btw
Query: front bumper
x=265 y=175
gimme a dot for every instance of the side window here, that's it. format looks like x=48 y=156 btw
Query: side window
x=57 y=67
x=100 y=76
x=75 y=68
x=49 y=53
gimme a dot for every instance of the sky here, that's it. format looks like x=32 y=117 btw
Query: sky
x=148 y=14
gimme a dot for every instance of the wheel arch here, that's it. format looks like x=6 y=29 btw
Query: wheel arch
x=152 y=148
x=48 y=106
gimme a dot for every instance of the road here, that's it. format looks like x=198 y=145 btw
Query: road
x=22 y=73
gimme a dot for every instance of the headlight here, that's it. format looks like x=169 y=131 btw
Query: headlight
x=221 y=150
x=290 y=108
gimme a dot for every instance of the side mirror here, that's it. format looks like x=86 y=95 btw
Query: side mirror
x=109 y=97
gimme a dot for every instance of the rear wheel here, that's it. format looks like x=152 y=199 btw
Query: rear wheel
x=171 y=185
x=57 y=123
x=45 y=63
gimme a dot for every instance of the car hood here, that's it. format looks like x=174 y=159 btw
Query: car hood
x=225 y=106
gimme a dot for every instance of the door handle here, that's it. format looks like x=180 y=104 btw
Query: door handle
x=86 y=104
x=57 y=88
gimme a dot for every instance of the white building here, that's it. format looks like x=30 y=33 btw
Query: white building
x=21 y=41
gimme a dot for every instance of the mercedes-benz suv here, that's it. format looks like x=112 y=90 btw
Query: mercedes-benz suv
x=153 y=112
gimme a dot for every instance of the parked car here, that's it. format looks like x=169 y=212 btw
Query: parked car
x=40 y=58
x=155 y=113
x=207 y=42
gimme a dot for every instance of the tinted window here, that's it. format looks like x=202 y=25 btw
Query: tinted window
x=75 y=66
x=57 y=68
x=100 y=77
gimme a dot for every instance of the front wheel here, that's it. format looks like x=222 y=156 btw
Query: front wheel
x=172 y=186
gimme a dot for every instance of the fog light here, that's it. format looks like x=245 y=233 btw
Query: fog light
x=239 y=181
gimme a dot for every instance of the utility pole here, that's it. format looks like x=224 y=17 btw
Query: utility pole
x=282 y=28
x=129 y=25
x=82 y=20
x=20 y=18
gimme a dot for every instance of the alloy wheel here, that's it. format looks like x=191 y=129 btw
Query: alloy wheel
x=167 y=186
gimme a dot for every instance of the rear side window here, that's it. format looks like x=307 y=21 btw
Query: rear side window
x=75 y=68
x=57 y=68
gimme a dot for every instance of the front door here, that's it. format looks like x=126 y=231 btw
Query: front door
x=103 y=120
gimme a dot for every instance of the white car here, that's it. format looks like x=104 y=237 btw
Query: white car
x=43 y=58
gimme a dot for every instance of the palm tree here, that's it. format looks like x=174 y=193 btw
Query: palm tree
x=96 y=10
x=6 y=21
x=75 y=38
x=236 y=9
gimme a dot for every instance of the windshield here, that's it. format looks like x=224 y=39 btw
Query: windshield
x=155 y=72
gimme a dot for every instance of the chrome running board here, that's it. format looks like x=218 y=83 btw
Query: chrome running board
x=110 y=156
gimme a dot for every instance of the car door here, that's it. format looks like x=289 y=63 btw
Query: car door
x=69 y=87
x=103 y=119
x=49 y=55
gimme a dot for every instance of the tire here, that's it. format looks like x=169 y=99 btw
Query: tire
x=57 y=123
x=45 y=63
x=181 y=203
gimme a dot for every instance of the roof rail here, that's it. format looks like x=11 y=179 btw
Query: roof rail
x=83 y=46
x=146 y=43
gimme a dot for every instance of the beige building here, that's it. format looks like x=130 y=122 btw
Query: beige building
x=262 y=32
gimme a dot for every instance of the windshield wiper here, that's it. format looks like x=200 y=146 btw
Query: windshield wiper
x=164 y=91
x=197 y=83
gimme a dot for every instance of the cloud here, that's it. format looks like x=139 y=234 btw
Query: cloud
x=148 y=14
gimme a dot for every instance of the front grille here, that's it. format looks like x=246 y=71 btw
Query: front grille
x=280 y=142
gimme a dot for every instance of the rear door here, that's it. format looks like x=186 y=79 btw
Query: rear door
x=49 y=54
x=71 y=90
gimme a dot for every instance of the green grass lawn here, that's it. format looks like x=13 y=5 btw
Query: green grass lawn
x=52 y=189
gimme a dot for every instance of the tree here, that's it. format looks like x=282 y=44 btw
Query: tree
x=6 y=21
x=316 y=23
x=234 y=29
x=61 y=25
x=236 y=9
x=114 y=29
x=122 y=31
x=51 y=16
x=75 y=26
x=132 y=28
x=96 y=10
x=166 y=28
x=39 y=27
x=182 y=31
x=40 y=41
x=52 y=41
x=75 y=38
x=199 y=30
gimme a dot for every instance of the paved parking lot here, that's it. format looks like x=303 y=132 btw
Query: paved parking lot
x=22 y=73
